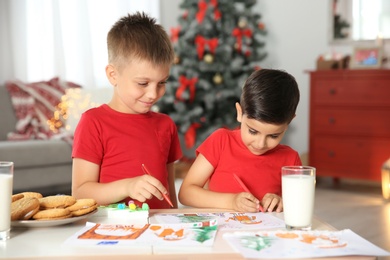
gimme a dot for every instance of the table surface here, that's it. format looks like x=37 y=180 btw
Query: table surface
x=47 y=243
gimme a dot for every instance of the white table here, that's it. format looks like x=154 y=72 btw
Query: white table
x=47 y=243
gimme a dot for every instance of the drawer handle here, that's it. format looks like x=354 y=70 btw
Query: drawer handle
x=332 y=120
x=332 y=91
x=331 y=153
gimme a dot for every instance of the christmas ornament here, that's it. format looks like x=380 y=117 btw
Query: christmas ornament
x=184 y=84
x=201 y=42
x=185 y=15
x=190 y=135
x=261 y=26
x=176 y=60
x=175 y=34
x=239 y=34
x=242 y=22
x=208 y=58
x=217 y=79
x=202 y=9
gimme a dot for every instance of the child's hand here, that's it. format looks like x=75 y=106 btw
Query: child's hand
x=145 y=187
x=272 y=202
x=245 y=202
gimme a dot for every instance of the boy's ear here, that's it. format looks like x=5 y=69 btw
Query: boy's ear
x=239 y=112
x=111 y=74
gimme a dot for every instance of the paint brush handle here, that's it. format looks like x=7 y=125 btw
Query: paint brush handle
x=145 y=170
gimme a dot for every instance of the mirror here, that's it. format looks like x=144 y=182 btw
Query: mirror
x=359 y=20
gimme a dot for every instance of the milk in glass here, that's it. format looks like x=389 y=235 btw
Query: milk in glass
x=6 y=180
x=298 y=198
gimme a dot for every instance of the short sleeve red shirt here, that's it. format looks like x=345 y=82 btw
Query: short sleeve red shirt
x=120 y=143
x=227 y=153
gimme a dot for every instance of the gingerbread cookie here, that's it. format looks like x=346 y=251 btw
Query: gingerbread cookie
x=57 y=201
x=82 y=207
x=24 y=208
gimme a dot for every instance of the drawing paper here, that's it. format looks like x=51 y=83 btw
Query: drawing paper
x=301 y=244
x=226 y=220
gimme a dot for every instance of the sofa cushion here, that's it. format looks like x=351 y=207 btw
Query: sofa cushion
x=35 y=105
x=36 y=153
x=7 y=114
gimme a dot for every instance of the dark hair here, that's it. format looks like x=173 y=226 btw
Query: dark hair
x=138 y=36
x=270 y=96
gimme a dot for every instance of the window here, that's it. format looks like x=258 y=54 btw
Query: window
x=66 y=38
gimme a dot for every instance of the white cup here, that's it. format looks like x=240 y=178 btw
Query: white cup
x=298 y=188
x=6 y=182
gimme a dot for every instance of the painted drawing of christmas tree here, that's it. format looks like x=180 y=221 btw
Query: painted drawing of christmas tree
x=217 y=44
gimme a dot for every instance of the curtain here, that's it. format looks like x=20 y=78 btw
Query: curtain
x=41 y=39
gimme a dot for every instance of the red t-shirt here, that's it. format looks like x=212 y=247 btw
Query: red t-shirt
x=119 y=143
x=227 y=153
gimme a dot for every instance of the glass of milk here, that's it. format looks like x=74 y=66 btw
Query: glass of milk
x=298 y=186
x=6 y=181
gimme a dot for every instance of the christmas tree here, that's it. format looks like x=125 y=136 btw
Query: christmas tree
x=217 y=44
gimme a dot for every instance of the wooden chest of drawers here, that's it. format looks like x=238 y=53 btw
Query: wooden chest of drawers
x=349 y=123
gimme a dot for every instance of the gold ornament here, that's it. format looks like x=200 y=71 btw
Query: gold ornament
x=208 y=58
x=242 y=23
x=176 y=60
x=217 y=78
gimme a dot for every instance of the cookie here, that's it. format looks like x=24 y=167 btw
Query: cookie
x=82 y=207
x=52 y=214
x=31 y=194
x=57 y=201
x=24 y=208
x=16 y=197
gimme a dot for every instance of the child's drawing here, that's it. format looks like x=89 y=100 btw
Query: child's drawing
x=114 y=232
x=188 y=234
x=226 y=220
x=244 y=219
x=300 y=244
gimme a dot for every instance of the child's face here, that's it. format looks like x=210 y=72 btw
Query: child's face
x=138 y=85
x=260 y=137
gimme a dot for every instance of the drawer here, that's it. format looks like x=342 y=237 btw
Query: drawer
x=360 y=121
x=352 y=92
x=349 y=157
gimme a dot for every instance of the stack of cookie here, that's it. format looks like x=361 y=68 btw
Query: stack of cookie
x=32 y=205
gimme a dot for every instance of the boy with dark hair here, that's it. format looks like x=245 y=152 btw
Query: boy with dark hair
x=253 y=153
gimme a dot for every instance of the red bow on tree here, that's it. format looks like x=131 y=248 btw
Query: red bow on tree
x=175 y=34
x=190 y=135
x=217 y=13
x=200 y=41
x=184 y=84
x=239 y=33
x=202 y=6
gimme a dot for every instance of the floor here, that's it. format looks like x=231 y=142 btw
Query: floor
x=353 y=205
x=357 y=206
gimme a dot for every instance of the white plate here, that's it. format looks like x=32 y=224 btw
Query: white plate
x=49 y=223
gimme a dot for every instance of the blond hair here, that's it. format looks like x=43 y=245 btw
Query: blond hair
x=137 y=36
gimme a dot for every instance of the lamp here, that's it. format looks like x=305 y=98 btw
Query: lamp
x=386 y=180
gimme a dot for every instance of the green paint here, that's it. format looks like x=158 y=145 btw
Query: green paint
x=257 y=243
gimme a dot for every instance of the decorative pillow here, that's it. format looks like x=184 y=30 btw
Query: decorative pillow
x=34 y=105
